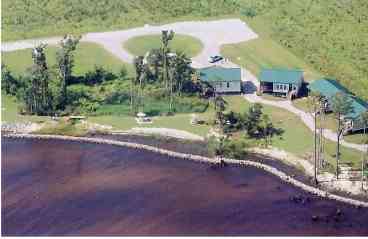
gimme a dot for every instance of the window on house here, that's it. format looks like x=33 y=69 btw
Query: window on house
x=228 y=84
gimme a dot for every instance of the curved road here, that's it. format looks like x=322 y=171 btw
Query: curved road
x=212 y=34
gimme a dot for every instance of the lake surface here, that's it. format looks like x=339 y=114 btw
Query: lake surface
x=67 y=188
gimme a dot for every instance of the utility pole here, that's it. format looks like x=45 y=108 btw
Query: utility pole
x=315 y=142
x=364 y=154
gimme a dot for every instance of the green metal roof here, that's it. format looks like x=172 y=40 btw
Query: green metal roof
x=218 y=73
x=359 y=107
x=283 y=76
x=328 y=88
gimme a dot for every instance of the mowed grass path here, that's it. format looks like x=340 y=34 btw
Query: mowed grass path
x=139 y=46
x=87 y=56
x=264 y=52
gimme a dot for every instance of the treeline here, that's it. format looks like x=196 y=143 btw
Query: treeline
x=164 y=82
x=27 y=18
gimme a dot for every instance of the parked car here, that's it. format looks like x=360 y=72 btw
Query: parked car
x=214 y=59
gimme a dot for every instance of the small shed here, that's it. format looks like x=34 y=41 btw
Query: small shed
x=283 y=82
x=328 y=88
x=222 y=79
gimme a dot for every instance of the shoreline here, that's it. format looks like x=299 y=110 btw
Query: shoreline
x=242 y=163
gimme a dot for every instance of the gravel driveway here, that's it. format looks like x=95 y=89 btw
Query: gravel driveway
x=212 y=34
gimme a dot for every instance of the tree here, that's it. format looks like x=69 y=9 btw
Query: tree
x=206 y=89
x=166 y=36
x=139 y=79
x=65 y=63
x=253 y=119
x=341 y=106
x=316 y=103
x=220 y=106
x=226 y=147
x=8 y=82
x=183 y=72
x=37 y=96
x=266 y=129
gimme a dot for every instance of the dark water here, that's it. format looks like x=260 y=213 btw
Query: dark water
x=64 y=188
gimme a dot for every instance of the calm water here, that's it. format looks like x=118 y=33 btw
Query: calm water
x=64 y=188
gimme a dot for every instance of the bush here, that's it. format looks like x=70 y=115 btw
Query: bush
x=249 y=12
x=229 y=148
x=98 y=75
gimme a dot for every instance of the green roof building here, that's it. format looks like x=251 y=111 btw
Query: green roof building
x=282 y=82
x=223 y=80
x=328 y=88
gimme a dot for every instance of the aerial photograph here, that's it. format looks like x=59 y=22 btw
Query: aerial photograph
x=184 y=118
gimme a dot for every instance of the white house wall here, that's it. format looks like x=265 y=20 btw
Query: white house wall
x=227 y=87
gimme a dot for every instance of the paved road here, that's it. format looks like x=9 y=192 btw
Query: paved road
x=212 y=34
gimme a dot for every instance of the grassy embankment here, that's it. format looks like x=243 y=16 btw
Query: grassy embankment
x=139 y=46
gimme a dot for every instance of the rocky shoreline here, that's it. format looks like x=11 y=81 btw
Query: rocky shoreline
x=202 y=159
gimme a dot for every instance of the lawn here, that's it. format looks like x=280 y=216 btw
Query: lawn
x=9 y=109
x=139 y=46
x=297 y=138
x=263 y=52
x=87 y=56
x=178 y=121
x=357 y=138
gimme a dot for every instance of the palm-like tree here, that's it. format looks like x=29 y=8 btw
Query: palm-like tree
x=139 y=79
x=165 y=38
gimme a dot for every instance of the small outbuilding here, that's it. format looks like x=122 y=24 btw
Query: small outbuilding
x=328 y=88
x=281 y=82
x=222 y=79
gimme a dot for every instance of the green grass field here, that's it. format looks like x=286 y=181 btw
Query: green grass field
x=356 y=138
x=264 y=52
x=87 y=56
x=9 y=111
x=178 y=121
x=139 y=46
